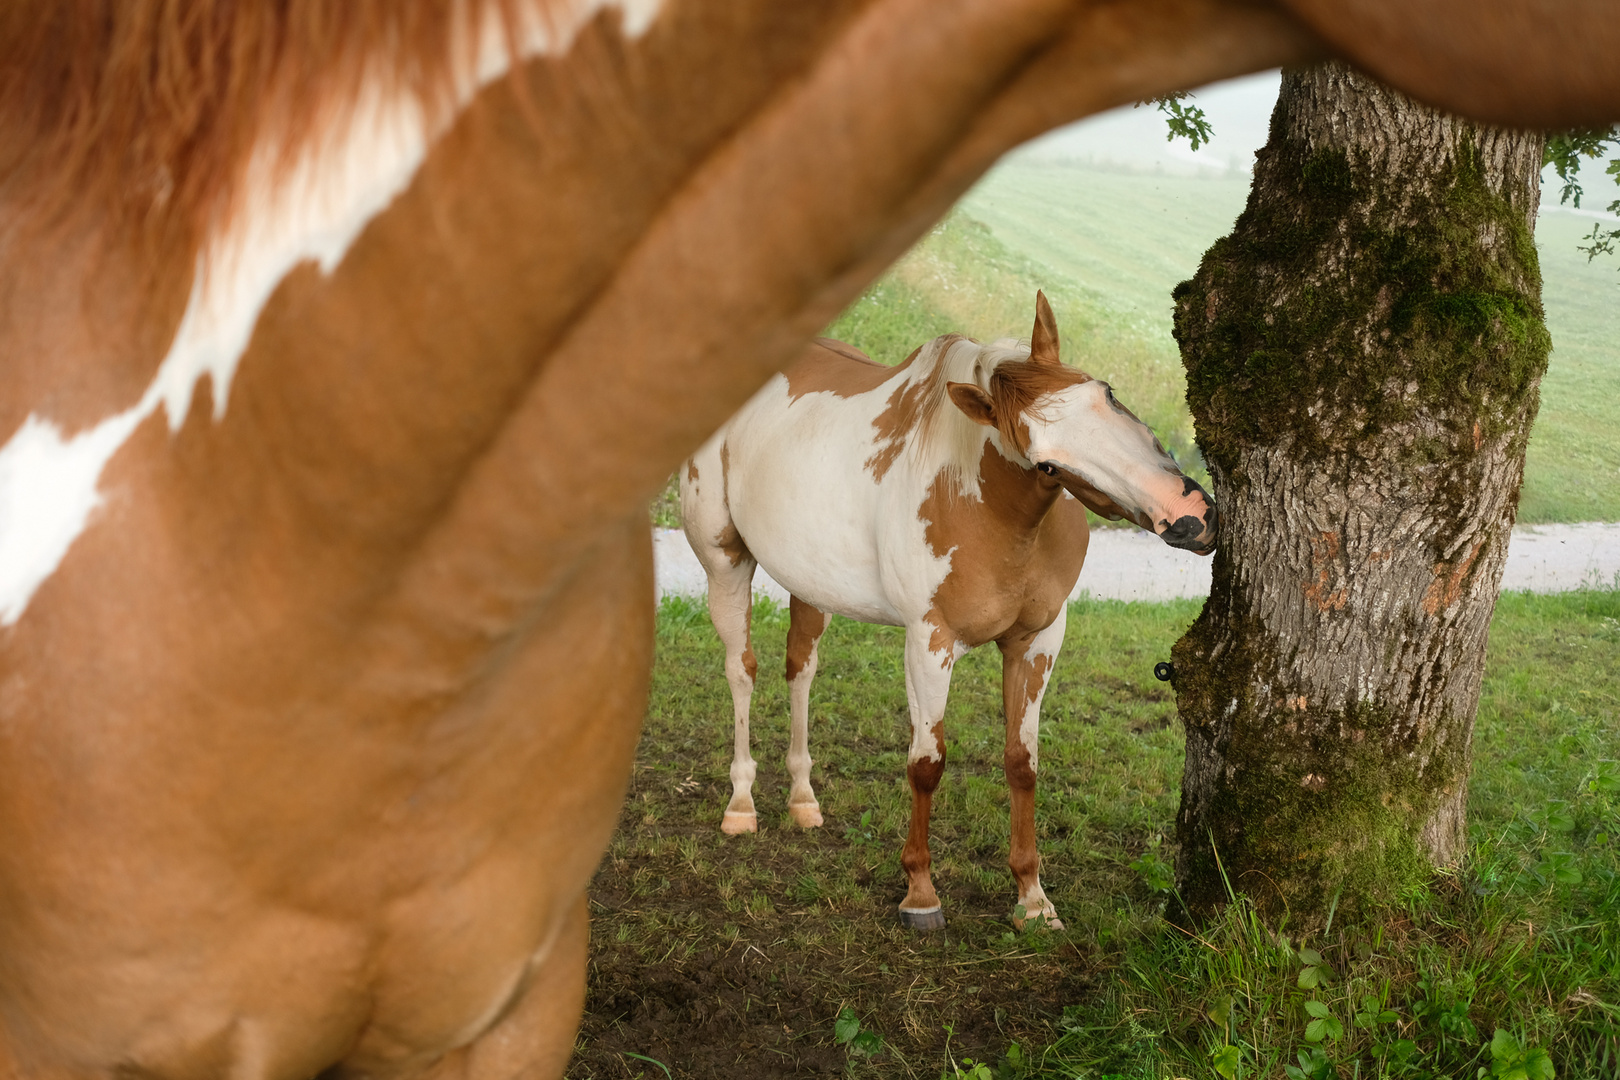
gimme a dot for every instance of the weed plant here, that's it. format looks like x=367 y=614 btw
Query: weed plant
x=779 y=954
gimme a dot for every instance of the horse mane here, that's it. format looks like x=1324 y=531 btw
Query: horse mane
x=146 y=112
x=1016 y=384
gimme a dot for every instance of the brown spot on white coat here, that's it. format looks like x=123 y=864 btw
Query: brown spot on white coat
x=907 y=408
x=728 y=538
x=829 y=366
x=1016 y=550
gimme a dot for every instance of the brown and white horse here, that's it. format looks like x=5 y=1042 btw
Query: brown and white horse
x=342 y=343
x=945 y=495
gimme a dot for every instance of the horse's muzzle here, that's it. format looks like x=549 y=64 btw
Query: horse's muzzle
x=1193 y=534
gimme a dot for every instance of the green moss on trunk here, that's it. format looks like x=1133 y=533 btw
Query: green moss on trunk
x=1461 y=329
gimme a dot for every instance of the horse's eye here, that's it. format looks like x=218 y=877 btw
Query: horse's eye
x=1048 y=468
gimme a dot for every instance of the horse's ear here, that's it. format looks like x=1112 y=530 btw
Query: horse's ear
x=972 y=401
x=1043 y=343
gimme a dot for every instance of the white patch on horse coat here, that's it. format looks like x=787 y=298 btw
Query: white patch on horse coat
x=47 y=491
x=813 y=515
x=1048 y=643
x=345 y=178
x=815 y=520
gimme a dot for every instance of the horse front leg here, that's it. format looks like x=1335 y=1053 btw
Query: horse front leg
x=806 y=625
x=1026 y=667
x=928 y=686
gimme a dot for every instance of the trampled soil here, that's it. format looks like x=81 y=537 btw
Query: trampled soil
x=755 y=994
x=734 y=956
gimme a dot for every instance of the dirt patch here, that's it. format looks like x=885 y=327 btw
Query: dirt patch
x=732 y=957
x=726 y=957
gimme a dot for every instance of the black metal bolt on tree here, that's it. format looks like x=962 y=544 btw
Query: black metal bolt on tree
x=1364 y=354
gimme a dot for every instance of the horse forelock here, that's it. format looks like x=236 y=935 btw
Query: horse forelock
x=1019 y=387
x=151 y=115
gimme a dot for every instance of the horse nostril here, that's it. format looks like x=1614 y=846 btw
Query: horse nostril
x=1184 y=533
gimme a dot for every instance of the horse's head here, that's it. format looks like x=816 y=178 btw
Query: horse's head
x=1071 y=429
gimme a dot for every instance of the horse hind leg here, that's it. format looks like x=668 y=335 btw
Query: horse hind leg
x=731 y=604
x=806 y=625
x=729 y=566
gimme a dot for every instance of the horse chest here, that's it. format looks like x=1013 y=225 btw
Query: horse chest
x=1005 y=574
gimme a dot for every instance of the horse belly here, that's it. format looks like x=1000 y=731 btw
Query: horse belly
x=805 y=506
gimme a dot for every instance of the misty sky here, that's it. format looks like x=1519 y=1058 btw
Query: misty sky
x=1240 y=110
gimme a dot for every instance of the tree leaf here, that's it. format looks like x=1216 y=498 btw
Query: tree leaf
x=1538 y=1065
x=847 y=1026
x=1310 y=956
x=1316 y=1009
x=1315 y=1030
x=1309 y=977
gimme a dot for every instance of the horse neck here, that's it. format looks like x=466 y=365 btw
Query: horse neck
x=1016 y=497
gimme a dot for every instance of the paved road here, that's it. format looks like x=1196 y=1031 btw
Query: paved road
x=1133 y=565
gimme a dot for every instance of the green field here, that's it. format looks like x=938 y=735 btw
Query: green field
x=734 y=957
x=1109 y=246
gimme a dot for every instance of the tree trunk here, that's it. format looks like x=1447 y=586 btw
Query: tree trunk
x=1363 y=356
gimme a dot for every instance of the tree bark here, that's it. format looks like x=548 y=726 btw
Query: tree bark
x=1364 y=353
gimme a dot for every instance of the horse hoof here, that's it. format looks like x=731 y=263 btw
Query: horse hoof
x=805 y=815
x=736 y=822
x=928 y=919
x=1038 y=922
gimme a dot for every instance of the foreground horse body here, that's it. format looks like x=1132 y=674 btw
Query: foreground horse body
x=343 y=343
x=945 y=496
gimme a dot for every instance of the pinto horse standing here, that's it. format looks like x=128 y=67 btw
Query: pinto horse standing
x=945 y=495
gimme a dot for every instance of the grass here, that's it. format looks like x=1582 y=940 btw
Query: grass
x=1573 y=467
x=779 y=954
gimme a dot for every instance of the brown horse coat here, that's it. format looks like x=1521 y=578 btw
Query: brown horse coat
x=319 y=676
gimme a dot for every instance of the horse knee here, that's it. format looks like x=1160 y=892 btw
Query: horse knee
x=1019 y=769
x=925 y=774
x=742 y=669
